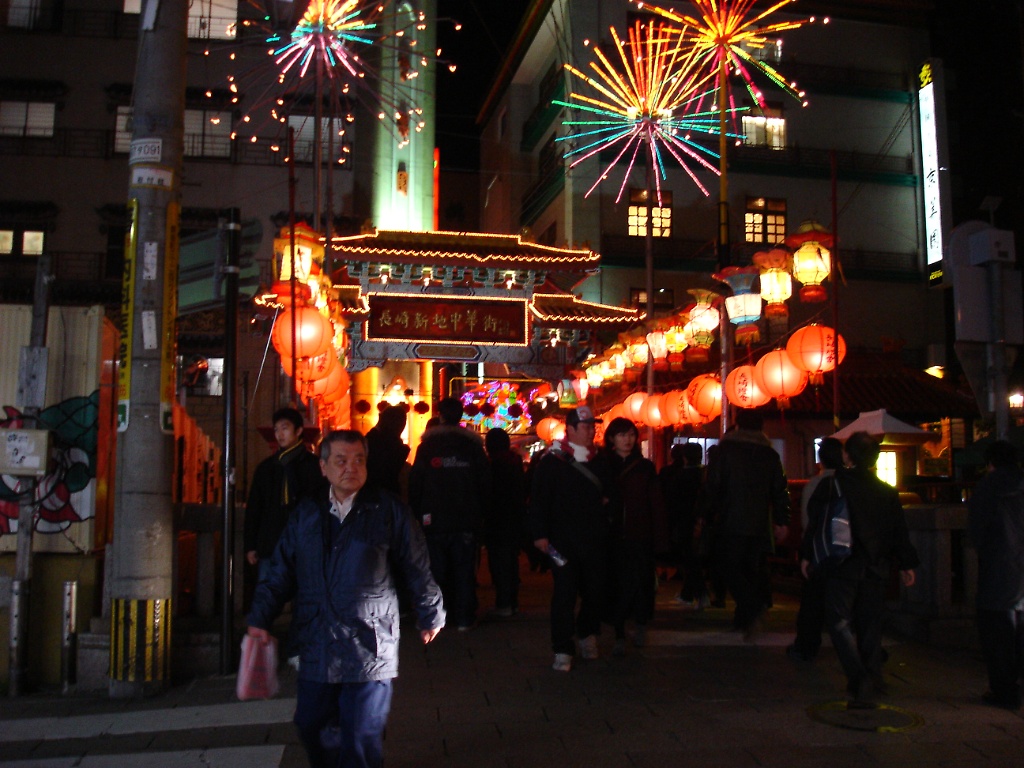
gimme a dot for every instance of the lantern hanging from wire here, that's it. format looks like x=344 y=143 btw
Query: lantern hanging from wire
x=671 y=407
x=676 y=344
x=650 y=411
x=633 y=406
x=658 y=346
x=776 y=281
x=705 y=395
x=313 y=333
x=744 y=306
x=816 y=349
x=776 y=375
x=312 y=368
x=742 y=390
x=812 y=259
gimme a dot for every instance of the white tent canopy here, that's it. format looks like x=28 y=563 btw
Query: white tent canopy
x=886 y=428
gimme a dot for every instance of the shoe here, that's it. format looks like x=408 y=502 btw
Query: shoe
x=619 y=649
x=466 y=627
x=563 y=662
x=293 y=662
x=640 y=636
x=503 y=613
x=862 y=695
x=687 y=605
x=588 y=647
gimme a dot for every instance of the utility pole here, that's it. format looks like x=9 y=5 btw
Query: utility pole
x=140 y=572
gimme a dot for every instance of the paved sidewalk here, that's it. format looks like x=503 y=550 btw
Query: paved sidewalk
x=695 y=695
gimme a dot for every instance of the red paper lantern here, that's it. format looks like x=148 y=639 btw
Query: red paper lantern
x=336 y=375
x=339 y=390
x=650 y=411
x=813 y=349
x=705 y=395
x=633 y=406
x=421 y=408
x=312 y=368
x=776 y=375
x=362 y=406
x=671 y=408
x=515 y=410
x=313 y=333
x=545 y=428
x=742 y=389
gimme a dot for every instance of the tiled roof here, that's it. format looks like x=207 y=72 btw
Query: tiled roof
x=568 y=311
x=462 y=248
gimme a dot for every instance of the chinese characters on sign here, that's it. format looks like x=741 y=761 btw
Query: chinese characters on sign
x=426 y=318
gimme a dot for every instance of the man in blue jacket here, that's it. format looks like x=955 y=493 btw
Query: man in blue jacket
x=338 y=559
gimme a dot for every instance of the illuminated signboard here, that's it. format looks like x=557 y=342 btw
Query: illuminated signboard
x=933 y=166
x=421 y=318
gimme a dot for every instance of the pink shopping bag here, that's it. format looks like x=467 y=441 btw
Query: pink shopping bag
x=257 y=671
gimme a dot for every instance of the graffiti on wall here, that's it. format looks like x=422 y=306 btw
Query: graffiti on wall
x=66 y=494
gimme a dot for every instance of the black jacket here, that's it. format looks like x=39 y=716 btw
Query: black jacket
x=636 y=505
x=279 y=483
x=505 y=512
x=450 y=481
x=746 y=487
x=346 y=619
x=877 y=522
x=567 y=506
x=996 y=524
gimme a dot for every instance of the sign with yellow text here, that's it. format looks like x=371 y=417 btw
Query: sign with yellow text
x=124 y=352
x=168 y=348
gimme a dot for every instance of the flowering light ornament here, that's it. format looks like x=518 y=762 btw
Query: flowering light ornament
x=647 y=99
x=744 y=306
x=776 y=282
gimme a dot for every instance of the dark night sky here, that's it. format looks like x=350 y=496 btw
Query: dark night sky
x=477 y=50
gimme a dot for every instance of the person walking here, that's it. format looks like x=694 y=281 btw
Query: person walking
x=639 y=524
x=448 y=487
x=279 y=483
x=504 y=521
x=568 y=514
x=749 y=502
x=682 y=483
x=339 y=559
x=810 y=619
x=387 y=467
x=996 y=526
x=855 y=587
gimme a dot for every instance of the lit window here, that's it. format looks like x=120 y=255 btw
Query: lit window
x=765 y=128
x=886 y=467
x=764 y=220
x=21 y=242
x=661 y=215
x=27 y=118
x=207 y=19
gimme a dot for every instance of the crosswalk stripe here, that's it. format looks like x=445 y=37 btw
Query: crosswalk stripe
x=149 y=721
x=231 y=757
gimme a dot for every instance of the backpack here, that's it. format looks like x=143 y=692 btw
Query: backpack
x=832 y=541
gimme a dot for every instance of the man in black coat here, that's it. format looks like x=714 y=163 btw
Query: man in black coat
x=855 y=588
x=996 y=524
x=279 y=483
x=448 y=487
x=749 y=502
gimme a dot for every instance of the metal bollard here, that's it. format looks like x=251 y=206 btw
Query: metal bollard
x=69 y=637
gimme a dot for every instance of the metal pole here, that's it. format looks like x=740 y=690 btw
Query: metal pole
x=649 y=288
x=723 y=230
x=227 y=606
x=69 y=637
x=835 y=294
x=291 y=244
x=32 y=374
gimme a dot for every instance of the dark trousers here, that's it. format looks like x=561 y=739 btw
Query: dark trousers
x=853 y=614
x=745 y=577
x=503 y=563
x=583 y=577
x=1002 y=643
x=453 y=564
x=632 y=584
x=342 y=724
x=810 y=620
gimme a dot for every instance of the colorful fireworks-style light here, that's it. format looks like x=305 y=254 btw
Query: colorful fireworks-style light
x=724 y=32
x=324 y=56
x=647 y=99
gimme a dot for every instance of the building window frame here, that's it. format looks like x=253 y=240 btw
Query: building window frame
x=29 y=119
x=664 y=299
x=207 y=19
x=765 y=127
x=764 y=220
x=661 y=215
x=207 y=132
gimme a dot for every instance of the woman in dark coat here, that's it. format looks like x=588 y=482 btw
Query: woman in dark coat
x=639 y=525
x=504 y=520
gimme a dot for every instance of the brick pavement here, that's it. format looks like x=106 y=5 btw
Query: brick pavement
x=696 y=694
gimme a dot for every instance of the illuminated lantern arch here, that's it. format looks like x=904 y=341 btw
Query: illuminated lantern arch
x=742 y=390
x=813 y=349
x=705 y=395
x=776 y=375
x=313 y=333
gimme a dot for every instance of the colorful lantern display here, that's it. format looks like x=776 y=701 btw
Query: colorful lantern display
x=776 y=282
x=744 y=306
x=813 y=349
x=705 y=395
x=658 y=346
x=776 y=375
x=742 y=390
x=812 y=259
